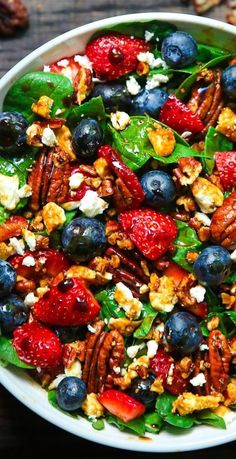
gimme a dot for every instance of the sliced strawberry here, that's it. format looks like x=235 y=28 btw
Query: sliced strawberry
x=69 y=303
x=121 y=405
x=226 y=167
x=113 y=55
x=199 y=309
x=37 y=345
x=12 y=227
x=165 y=368
x=179 y=117
x=151 y=231
x=129 y=178
x=175 y=272
x=47 y=263
x=74 y=196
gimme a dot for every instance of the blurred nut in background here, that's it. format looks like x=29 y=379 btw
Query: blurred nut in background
x=13 y=16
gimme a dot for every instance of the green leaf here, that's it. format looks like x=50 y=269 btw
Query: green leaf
x=98 y=424
x=214 y=142
x=153 y=422
x=8 y=354
x=94 y=108
x=30 y=87
x=137 y=29
x=185 y=241
x=226 y=326
x=164 y=404
x=146 y=325
x=52 y=398
x=4 y=215
x=230 y=279
x=206 y=53
x=211 y=419
x=182 y=422
x=137 y=425
x=109 y=307
x=212 y=300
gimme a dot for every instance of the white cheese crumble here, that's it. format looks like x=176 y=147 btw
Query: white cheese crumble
x=150 y=59
x=203 y=347
x=75 y=369
x=91 y=205
x=48 y=137
x=229 y=416
x=63 y=63
x=156 y=80
x=47 y=68
x=198 y=380
x=186 y=134
x=71 y=205
x=29 y=238
x=133 y=350
x=30 y=299
x=148 y=35
x=25 y=191
x=28 y=261
x=56 y=381
x=18 y=245
x=124 y=297
x=91 y=329
x=152 y=347
x=133 y=86
x=120 y=120
x=198 y=293
x=202 y=218
x=116 y=370
x=10 y=193
x=233 y=256
x=75 y=180
x=84 y=62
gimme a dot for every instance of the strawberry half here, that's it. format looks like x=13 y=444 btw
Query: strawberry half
x=37 y=345
x=226 y=167
x=151 y=231
x=179 y=117
x=68 y=303
x=47 y=263
x=12 y=227
x=121 y=405
x=165 y=368
x=113 y=55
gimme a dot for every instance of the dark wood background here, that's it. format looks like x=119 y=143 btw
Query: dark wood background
x=24 y=435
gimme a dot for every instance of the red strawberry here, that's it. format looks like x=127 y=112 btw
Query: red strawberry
x=226 y=166
x=69 y=303
x=165 y=368
x=175 y=272
x=47 y=262
x=113 y=55
x=151 y=231
x=125 y=174
x=121 y=405
x=37 y=345
x=73 y=196
x=198 y=309
x=179 y=117
x=12 y=227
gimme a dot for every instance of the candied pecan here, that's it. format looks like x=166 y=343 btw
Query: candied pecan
x=42 y=242
x=12 y=227
x=129 y=262
x=92 y=378
x=219 y=359
x=122 y=196
x=185 y=298
x=105 y=189
x=223 y=223
x=91 y=341
x=13 y=16
x=25 y=286
x=188 y=170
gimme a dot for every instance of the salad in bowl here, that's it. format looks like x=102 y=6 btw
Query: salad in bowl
x=118 y=230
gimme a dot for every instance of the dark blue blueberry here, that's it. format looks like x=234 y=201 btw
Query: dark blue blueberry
x=212 y=265
x=158 y=187
x=12 y=133
x=115 y=96
x=7 y=278
x=182 y=332
x=229 y=81
x=179 y=50
x=140 y=390
x=83 y=238
x=13 y=312
x=149 y=101
x=70 y=334
x=87 y=138
x=71 y=393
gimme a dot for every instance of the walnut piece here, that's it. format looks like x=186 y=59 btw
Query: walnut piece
x=13 y=16
x=226 y=124
x=188 y=170
x=201 y=6
x=162 y=140
x=92 y=407
x=187 y=403
x=162 y=297
x=207 y=195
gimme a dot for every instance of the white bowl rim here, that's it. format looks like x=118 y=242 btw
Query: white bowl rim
x=211 y=437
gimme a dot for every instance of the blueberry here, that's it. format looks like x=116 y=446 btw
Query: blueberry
x=12 y=133
x=87 y=138
x=71 y=393
x=7 y=278
x=13 y=312
x=70 y=334
x=182 y=332
x=83 y=238
x=149 y=101
x=140 y=390
x=179 y=49
x=158 y=187
x=115 y=96
x=229 y=81
x=212 y=265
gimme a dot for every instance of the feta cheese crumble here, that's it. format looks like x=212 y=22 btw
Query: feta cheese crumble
x=48 y=137
x=156 y=80
x=91 y=205
x=198 y=293
x=120 y=120
x=233 y=256
x=75 y=180
x=133 y=350
x=28 y=261
x=124 y=297
x=18 y=245
x=202 y=218
x=30 y=299
x=149 y=58
x=152 y=347
x=198 y=380
x=148 y=35
x=10 y=193
x=29 y=238
x=133 y=86
x=84 y=62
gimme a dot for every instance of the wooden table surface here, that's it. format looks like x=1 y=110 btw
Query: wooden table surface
x=22 y=433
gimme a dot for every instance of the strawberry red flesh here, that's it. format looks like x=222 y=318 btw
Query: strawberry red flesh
x=37 y=345
x=114 y=55
x=13 y=227
x=70 y=303
x=152 y=232
x=226 y=167
x=121 y=405
x=47 y=262
x=166 y=369
x=179 y=117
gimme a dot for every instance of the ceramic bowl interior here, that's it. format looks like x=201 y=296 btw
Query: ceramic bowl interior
x=17 y=381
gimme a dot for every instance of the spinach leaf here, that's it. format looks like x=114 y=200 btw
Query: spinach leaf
x=212 y=301
x=206 y=53
x=164 y=404
x=153 y=422
x=98 y=424
x=94 y=108
x=30 y=87
x=8 y=354
x=185 y=241
x=53 y=401
x=146 y=325
x=211 y=419
x=137 y=425
x=182 y=422
x=109 y=307
x=214 y=142
x=4 y=215
x=231 y=278
x=226 y=326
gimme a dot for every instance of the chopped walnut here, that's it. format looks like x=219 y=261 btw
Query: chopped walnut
x=124 y=297
x=191 y=257
x=231 y=393
x=229 y=300
x=53 y=216
x=138 y=365
x=164 y=297
x=201 y=6
x=89 y=275
x=125 y=326
x=187 y=202
x=226 y=124
x=92 y=407
x=5 y=251
x=213 y=323
x=34 y=135
x=64 y=137
x=207 y=195
x=186 y=367
x=157 y=386
x=102 y=168
x=188 y=170
x=120 y=120
x=187 y=403
x=43 y=106
x=162 y=140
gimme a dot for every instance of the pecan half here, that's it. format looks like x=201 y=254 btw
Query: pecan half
x=201 y=6
x=13 y=16
x=219 y=359
x=223 y=223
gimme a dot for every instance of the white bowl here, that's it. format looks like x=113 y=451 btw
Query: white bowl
x=17 y=381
